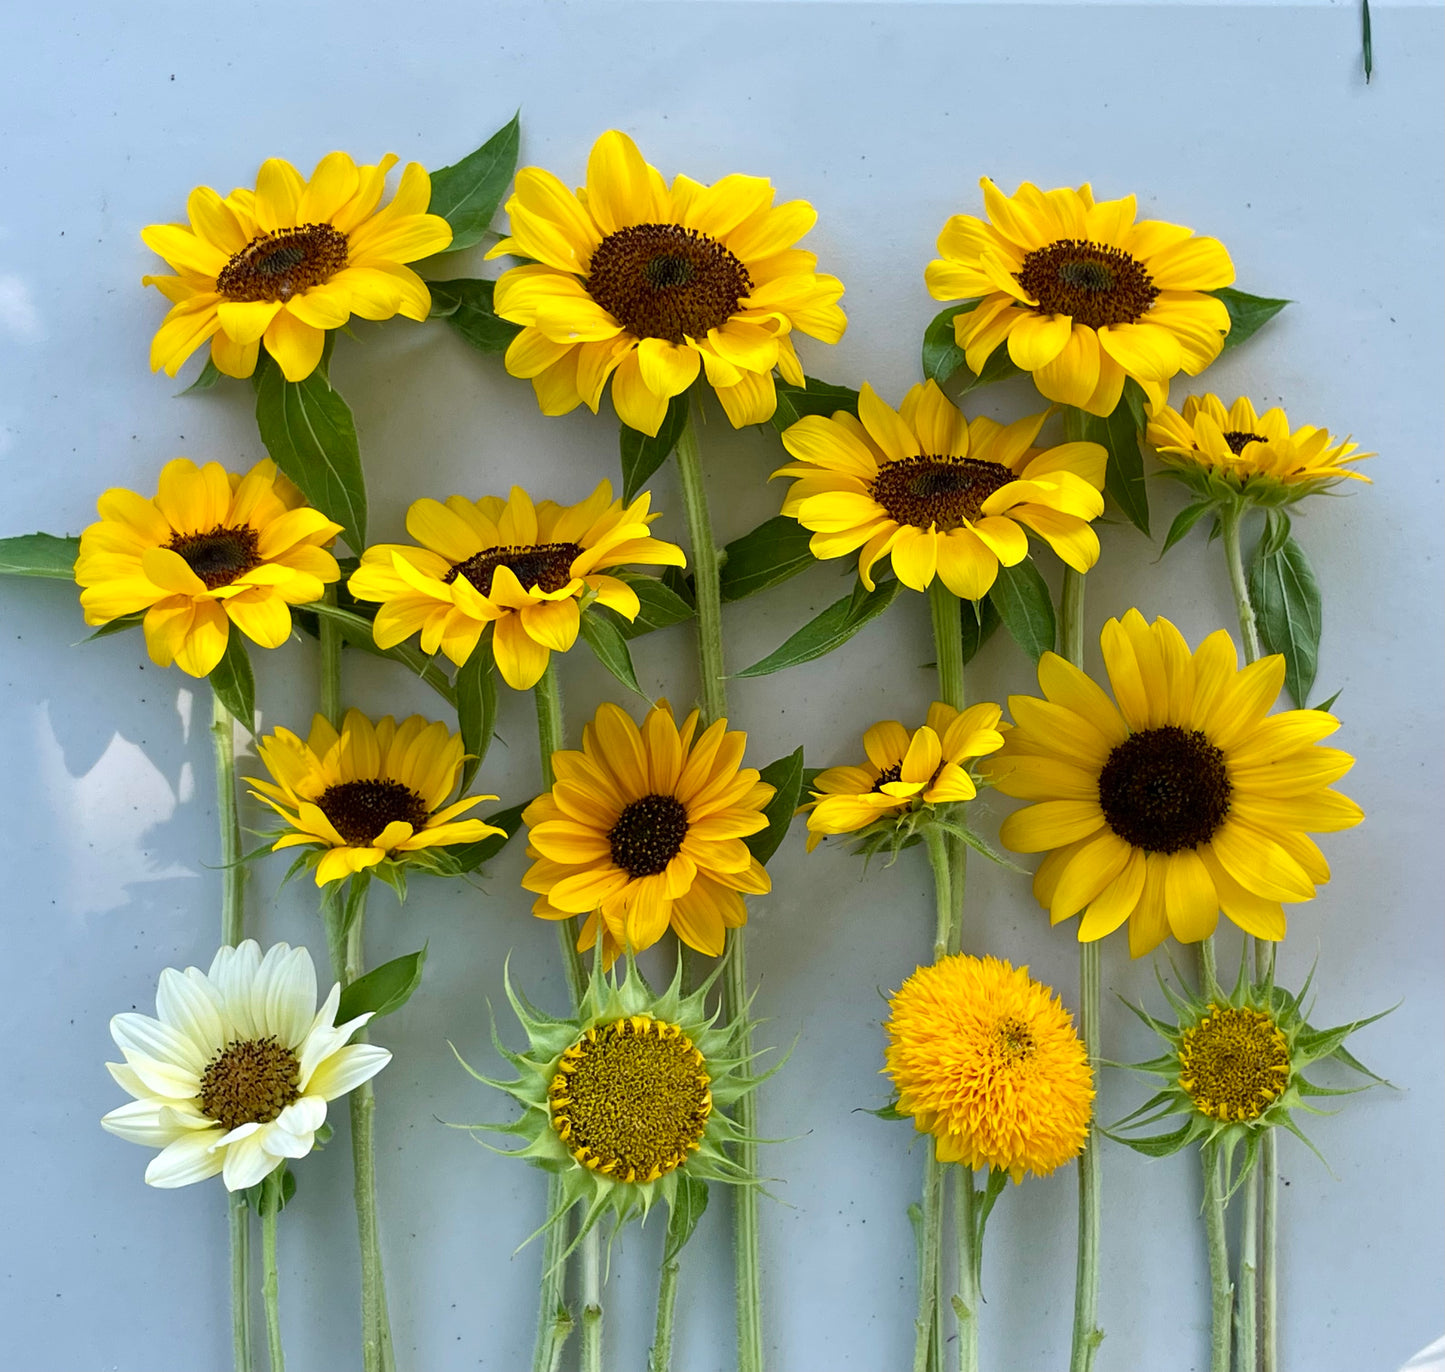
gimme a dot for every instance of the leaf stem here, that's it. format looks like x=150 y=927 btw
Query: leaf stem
x=1223 y=1291
x=271 y=1203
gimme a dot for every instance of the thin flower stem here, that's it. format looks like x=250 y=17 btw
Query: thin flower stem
x=271 y=1203
x=1230 y=518
x=550 y=739
x=659 y=1357
x=706 y=568
x=591 y=1336
x=238 y=1218
x=938 y=859
x=1268 y=1170
x=970 y=1262
x=1223 y=1290
x=1246 y=1345
x=330 y=664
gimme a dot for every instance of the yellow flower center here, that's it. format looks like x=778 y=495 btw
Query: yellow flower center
x=1233 y=1063
x=665 y=281
x=1238 y=441
x=276 y=266
x=1014 y=1039
x=937 y=491
x=631 y=1098
x=219 y=555
x=250 y=1081
x=360 y=810
x=1093 y=284
x=648 y=835
x=547 y=566
x=1164 y=790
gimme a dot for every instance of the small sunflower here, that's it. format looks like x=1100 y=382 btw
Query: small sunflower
x=905 y=771
x=649 y=285
x=644 y=829
x=235 y=1073
x=1183 y=798
x=373 y=793
x=1083 y=295
x=527 y=569
x=987 y=1060
x=212 y=548
x=942 y=495
x=286 y=262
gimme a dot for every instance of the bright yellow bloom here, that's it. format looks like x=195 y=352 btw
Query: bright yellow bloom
x=291 y=259
x=988 y=1062
x=650 y=285
x=904 y=771
x=525 y=568
x=1082 y=294
x=1184 y=798
x=212 y=548
x=939 y=493
x=372 y=793
x=644 y=828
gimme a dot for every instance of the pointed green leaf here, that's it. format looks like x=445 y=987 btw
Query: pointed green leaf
x=980 y=620
x=642 y=454
x=466 y=304
x=776 y=550
x=941 y=354
x=606 y=641
x=232 y=681
x=831 y=629
x=813 y=397
x=659 y=605
x=1286 y=599
x=468 y=193
x=476 y=688
x=39 y=555
x=470 y=856
x=1185 y=520
x=1025 y=608
x=210 y=374
x=786 y=777
x=383 y=989
x=117 y=626
x=1247 y=313
x=1119 y=435
x=1162 y=1145
x=1276 y=532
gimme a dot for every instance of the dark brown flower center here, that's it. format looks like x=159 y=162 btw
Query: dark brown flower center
x=665 y=281
x=893 y=773
x=1093 y=284
x=942 y=491
x=360 y=810
x=1164 y=790
x=648 y=835
x=276 y=266
x=1238 y=440
x=219 y=555
x=250 y=1081
x=547 y=566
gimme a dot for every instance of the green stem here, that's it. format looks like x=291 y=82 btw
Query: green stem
x=1223 y=1291
x=1209 y=986
x=927 y=1348
x=1230 y=518
x=591 y=1336
x=938 y=859
x=1269 y=1254
x=947 y=615
x=238 y=1218
x=330 y=663
x=969 y=1237
x=271 y=1204
x=1246 y=1343
x=659 y=1358
x=550 y=735
x=706 y=572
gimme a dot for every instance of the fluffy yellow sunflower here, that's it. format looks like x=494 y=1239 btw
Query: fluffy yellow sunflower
x=987 y=1061
x=644 y=829
x=525 y=568
x=210 y=549
x=291 y=259
x=649 y=285
x=1183 y=798
x=941 y=494
x=904 y=771
x=1083 y=295
x=370 y=794
x=1255 y=454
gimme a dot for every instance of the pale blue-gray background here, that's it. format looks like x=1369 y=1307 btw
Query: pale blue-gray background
x=1250 y=123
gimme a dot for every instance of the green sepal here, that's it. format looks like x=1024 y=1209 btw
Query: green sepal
x=394 y=874
x=45 y=555
x=117 y=626
x=1247 y=313
x=1022 y=601
x=384 y=989
x=610 y=649
x=261 y=1197
x=234 y=683
x=1185 y=520
x=786 y=777
x=813 y=397
x=688 y=1206
x=1288 y=610
x=828 y=630
x=205 y=381
x=466 y=304
x=642 y=454
x=468 y=193
x=476 y=688
x=777 y=550
x=886 y=1112
x=1160 y=1145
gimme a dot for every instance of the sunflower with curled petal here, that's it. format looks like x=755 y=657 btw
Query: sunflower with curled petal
x=940 y=494
x=368 y=794
x=210 y=549
x=1083 y=295
x=904 y=771
x=525 y=568
x=644 y=828
x=1181 y=797
x=649 y=285
x=286 y=262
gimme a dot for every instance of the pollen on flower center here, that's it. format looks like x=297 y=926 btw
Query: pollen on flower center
x=250 y=1081
x=1014 y=1039
x=1164 y=790
x=1233 y=1063
x=276 y=266
x=938 y=491
x=665 y=281
x=893 y=773
x=360 y=810
x=547 y=566
x=219 y=555
x=631 y=1098
x=1239 y=441
x=648 y=835
x=1094 y=284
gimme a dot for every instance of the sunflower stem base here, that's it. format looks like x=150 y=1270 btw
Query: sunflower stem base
x=1222 y=1289
x=238 y=1218
x=271 y=1203
x=591 y=1336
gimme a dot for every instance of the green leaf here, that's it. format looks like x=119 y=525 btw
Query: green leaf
x=659 y=605
x=308 y=430
x=357 y=631
x=1161 y=1145
x=117 y=626
x=1119 y=435
x=772 y=553
x=1286 y=599
x=1247 y=313
x=1326 y=706
x=642 y=455
x=232 y=681
x=941 y=354
x=476 y=688
x=383 y=989
x=607 y=643
x=786 y=776
x=813 y=397
x=1367 y=41
x=999 y=366
x=1025 y=608
x=1185 y=520
x=980 y=620
x=468 y=193
x=466 y=304
x=886 y=1112
x=39 y=555
x=470 y=856
x=210 y=374
x=688 y=1205
x=829 y=630
x=1276 y=532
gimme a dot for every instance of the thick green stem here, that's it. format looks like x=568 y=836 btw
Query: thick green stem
x=706 y=569
x=238 y=1219
x=550 y=736
x=947 y=615
x=1246 y=1347
x=271 y=1204
x=938 y=859
x=927 y=1346
x=1268 y=1170
x=1220 y=1285
x=969 y=1237
x=1230 y=518
x=659 y=1358
x=330 y=664
x=591 y=1336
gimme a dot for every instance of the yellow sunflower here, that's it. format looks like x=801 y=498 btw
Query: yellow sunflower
x=987 y=1061
x=939 y=493
x=210 y=549
x=904 y=771
x=291 y=259
x=1183 y=798
x=372 y=793
x=644 y=828
x=649 y=285
x=527 y=569
x=1083 y=295
x=1256 y=454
